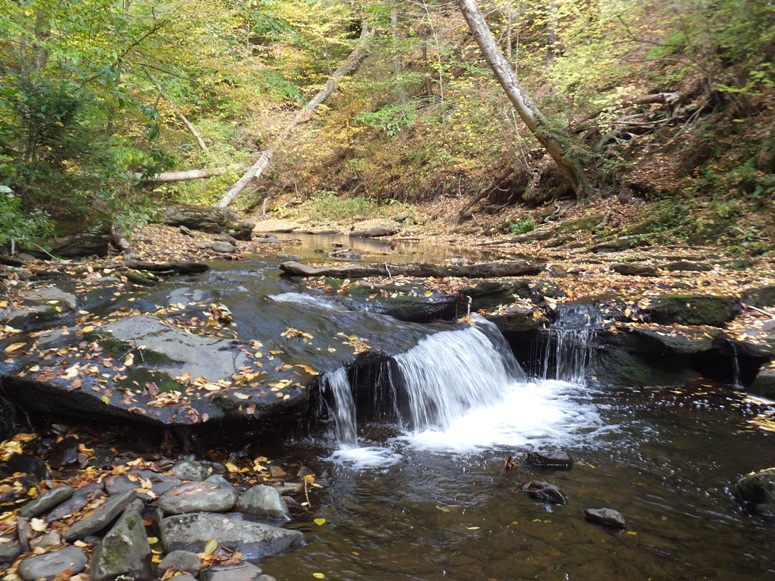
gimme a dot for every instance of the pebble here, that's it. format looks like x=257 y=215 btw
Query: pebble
x=606 y=517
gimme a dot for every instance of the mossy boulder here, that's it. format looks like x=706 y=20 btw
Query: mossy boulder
x=692 y=309
x=757 y=490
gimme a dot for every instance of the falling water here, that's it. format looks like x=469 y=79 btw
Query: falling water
x=567 y=349
x=450 y=373
x=343 y=410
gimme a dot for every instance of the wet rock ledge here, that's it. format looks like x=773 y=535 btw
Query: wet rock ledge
x=141 y=524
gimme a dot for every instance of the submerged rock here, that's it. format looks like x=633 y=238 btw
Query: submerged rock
x=556 y=460
x=545 y=492
x=606 y=517
x=757 y=490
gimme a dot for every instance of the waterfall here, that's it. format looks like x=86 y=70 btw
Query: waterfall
x=567 y=349
x=343 y=409
x=443 y=377
x=452 y=372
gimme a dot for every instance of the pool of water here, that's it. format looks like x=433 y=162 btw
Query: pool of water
x=441 y=505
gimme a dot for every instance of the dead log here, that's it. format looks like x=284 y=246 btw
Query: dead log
x=465 y=211
x=191 y=174
x=166 y=267
x=350 y=66
x=418 y=269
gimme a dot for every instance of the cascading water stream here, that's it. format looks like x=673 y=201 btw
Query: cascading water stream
x=567 y=349
x=450 y=373
x=343 y=410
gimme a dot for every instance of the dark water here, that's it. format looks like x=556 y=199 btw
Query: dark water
x=668 y=465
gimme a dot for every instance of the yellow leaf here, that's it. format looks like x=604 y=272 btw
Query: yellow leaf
x=3 y=304
x=106 y=400
x=129 y=360
x=473 y=528
x=318 y=576
x=241 y=396
x=632 y=533
x=319 y=521
x=210 y=547
x=14 y=347
x=153 y=540
x=231 y=467
x=38 y=525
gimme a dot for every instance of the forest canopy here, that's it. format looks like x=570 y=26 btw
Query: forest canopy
x=668 y=102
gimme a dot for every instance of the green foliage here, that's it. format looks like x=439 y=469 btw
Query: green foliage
x=521 y=226
x=20 y=228
x=391 y=119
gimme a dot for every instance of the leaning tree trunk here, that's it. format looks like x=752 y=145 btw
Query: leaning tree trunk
x=350 y=66
x=555 y=143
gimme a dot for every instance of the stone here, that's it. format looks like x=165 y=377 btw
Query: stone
x=124 y=552
x=77 y=501
x=134 y=479
x=691 y=309
x=262 y=500
x=64 y=453
x=374 y=228
x=223 y=247
x=210 y=495
x=545 y=492
x=9 y=548
x=46 y=501
x=46 y=541
x=757 y=490
x=184 y=561
x=241 y=572
x=689 y=266
x=556 y=460
x=764 y=384
x=191 y=470
x=94 y=241
x=606 y=517
x=190 y=532
x=630 y=269
x=50 y=565
x=101 y=517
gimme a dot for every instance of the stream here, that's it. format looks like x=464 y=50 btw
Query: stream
x=432 y=500
x=412 y=471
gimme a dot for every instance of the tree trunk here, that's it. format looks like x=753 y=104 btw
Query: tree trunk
x=191 y=174
x=348 y=67
x=553 y=141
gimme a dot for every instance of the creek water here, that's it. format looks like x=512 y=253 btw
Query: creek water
x=429 y=498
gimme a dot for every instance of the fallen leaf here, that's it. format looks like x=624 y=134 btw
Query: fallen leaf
x=319 y=521
x=14 y=347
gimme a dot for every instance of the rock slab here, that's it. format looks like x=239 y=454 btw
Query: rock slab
x=262 y=500
x=124 y=552
x=190 y=532
x=50 y=565
x=102 y=517
x=212 y=495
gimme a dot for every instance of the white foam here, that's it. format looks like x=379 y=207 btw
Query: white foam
x=535 y=415
x=303 y=299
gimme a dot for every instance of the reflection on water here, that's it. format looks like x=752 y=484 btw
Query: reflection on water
x=318 y=246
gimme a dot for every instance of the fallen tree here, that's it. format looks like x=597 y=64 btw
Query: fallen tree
x=191 y=174
x=348 y=67
x=419 y=269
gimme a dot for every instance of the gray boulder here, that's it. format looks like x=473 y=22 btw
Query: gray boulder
x=184 y=561
x=190 y=532
x=241 y=572
x=124 y=552
x=101 y=517
x=606 y=517
x=50 y=565
x=46 y=501
x=212 y=495
x=757 y=490
x=191 y=470
x=264 y=501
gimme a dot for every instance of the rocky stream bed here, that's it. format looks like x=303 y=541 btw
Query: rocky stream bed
x=180 y=340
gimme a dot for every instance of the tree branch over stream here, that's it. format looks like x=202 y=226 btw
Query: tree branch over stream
x=347 y=68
